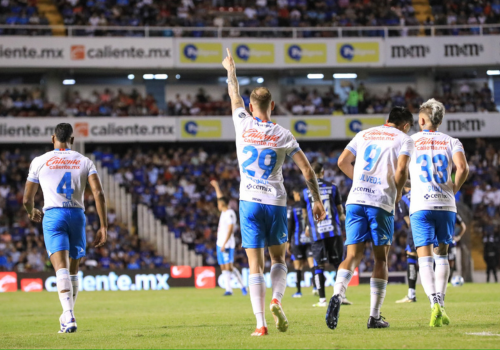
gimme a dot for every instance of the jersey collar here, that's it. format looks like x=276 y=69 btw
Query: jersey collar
x=261 y=121
x=62 y=149
x=429 y=130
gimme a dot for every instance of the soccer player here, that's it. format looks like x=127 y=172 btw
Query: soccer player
x=376 y=160
x=411 y=251
x=261 y=147
x=225 y=241
x=63 y=175
x=452 y=250
x=299 y=245
x=327 y=246
x=433 y=208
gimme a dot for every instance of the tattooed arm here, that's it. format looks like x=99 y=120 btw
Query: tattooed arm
x=312 y=184
x=233 y=87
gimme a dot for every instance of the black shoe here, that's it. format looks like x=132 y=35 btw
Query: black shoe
x=377 y=323
x=332 y=313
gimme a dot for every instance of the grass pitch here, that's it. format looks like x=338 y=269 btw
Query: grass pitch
x=191 y=318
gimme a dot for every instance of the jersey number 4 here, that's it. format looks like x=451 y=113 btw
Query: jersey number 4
x=268 y=168
x=65 y=181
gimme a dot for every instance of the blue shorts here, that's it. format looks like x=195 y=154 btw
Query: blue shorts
x=64 y=229
x=432 y=227
x=225 y=257
x=365 y=223
x=262 y=225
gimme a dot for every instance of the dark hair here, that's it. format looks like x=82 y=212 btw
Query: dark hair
x=63 y=132
x=400 y=116
x=318 y=168
x=261 y=98
x=297 y=189
x=223 y=200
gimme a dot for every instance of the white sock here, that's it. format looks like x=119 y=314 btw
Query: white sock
x=76 y=286
x=227 y=277
x=411 y=293
x=377 y=291
x=257 y=286
x=341 y=282
x=237 y=274
x=66 y=298
x=442 y=273
x=278 y=280
x=427 y=277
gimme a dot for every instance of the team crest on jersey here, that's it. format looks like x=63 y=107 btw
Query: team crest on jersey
x=242 y=115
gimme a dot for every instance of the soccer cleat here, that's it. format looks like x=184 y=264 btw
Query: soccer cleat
x=228 y=294
x=346 y=302
x=244 y=291
x=332 y=313
x=315 y=291
x=320 y=304
x=279 y=316
x=436 y=316
x=377 y=323
x=259 y=332
x=446 y=319
x=68 y=327
x=297 y=295
x=406 y=299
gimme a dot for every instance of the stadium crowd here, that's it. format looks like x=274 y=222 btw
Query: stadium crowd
x=234 y=14
x=174 y=183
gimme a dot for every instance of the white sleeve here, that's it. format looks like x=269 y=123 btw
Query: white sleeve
x=232 y=218
x=239 y=114
x=353 y=145
x=456 y=146
x=292 y=146
x=34 y=171
x=92 y=169
x=407 y=147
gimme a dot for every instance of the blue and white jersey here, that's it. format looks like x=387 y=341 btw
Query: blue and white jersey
x=296 y=232
x=261 y=148
x=430 y=171
x=330 y=196
x=377 y=151
x=62 y=175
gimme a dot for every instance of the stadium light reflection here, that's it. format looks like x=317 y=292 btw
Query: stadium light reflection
x=131 y=77
x=345 y=76
x=315 y=76
x=493 y=72
x=161 y=76
x=260 y=80
x=148 y=77
x=69 y=82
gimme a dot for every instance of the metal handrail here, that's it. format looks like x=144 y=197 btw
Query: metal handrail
x=478 y=29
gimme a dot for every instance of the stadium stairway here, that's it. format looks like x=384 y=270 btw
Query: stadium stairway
x=148 y=227
x=50 y=11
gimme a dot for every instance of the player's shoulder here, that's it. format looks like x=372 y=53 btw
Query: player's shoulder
x=241 y=113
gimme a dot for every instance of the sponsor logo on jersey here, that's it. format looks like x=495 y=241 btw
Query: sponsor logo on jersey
x=427 y=143
x=364 y=190
x=260 y=189
x=31 y=285
x=201 y=52
x=358 y=52
x=254 y=53
x=55 y=163
x=379 y=135
x=204 y=277
x=8 y=282
x=370 y=179
x=305 y=53
x=257 y=137
x=181 y=271
x=436 y=196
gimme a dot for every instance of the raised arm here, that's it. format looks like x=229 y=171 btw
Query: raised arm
x=233 y=88
x=301 y=161
x=29 y=201
x=215 y=185
x=462 y=170
x=100 y=203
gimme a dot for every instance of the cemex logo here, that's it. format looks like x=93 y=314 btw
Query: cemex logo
x=181 y=271
x=8 y=282
x=31 y=285
x=412 y=51
x=465 y=125
x=465 y=50
x=204 y=277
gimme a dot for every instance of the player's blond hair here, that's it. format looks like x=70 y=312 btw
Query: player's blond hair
x=434 y=109
x=261 y=98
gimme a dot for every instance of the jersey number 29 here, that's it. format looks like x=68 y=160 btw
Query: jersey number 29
x=65 y=181
x=268 y=168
